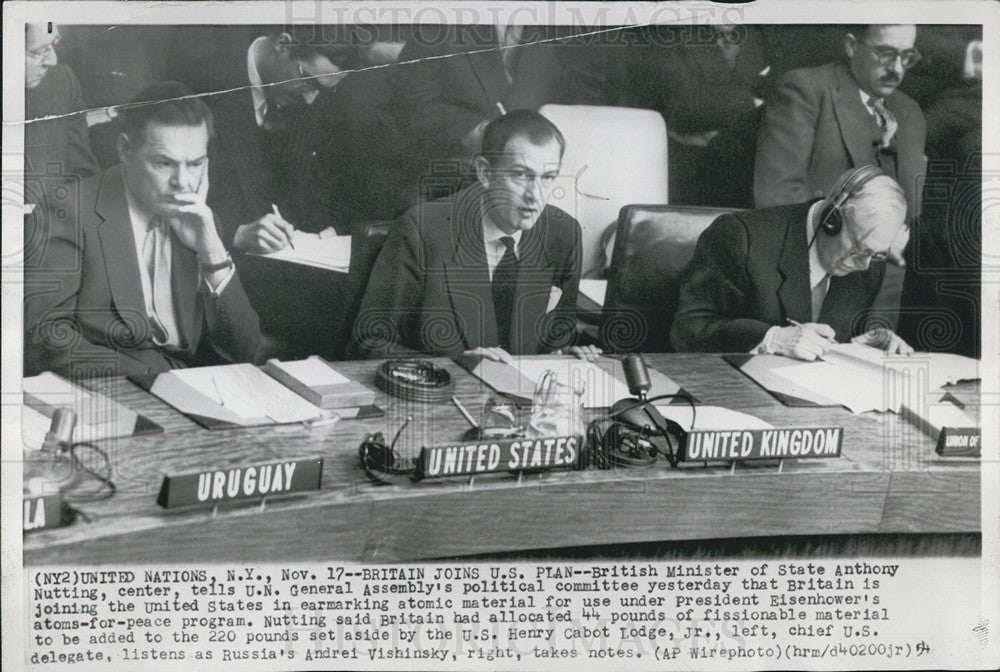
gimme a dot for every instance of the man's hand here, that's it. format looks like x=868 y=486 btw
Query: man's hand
x=807 y=341
x=194 y=224
x=884 y=339
x=589 y=353
x=270 y=233
x=898 y=245
x=496 y=354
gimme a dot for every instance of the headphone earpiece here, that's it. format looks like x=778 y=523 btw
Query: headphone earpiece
x=831 y=221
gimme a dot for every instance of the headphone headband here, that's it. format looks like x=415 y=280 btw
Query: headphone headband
x=849 y=184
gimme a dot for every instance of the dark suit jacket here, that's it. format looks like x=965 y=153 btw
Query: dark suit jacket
x=84 y=308
x=430 y=288
x=816 y=128
x=750 y=271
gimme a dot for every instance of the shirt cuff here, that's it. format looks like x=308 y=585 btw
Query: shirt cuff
x=764 y=347
x=215 y=291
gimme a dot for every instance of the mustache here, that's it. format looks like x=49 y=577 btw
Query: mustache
x=889 y=79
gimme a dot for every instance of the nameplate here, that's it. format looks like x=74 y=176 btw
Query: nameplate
x=489 y=456
x=253 y=481
x=959 y=442
x=763 y=444
x=43 y=512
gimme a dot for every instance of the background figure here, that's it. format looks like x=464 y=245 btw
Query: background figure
x=448 y=89
x=58 y=149
x=708 y=82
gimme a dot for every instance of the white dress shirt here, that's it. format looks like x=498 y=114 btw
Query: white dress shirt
x=495 y=248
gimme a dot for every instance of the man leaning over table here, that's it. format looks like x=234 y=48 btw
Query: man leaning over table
x=793 y=280
x=492 y=270
x=138 y=280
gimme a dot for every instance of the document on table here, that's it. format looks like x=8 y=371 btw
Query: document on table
x=866 y=379
x=708 y=418
x=234 y=394
x=97 y=416
x=601 y=390
x=323 y=250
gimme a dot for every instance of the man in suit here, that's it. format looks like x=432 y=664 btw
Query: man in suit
x=56 y=149
x=708 y=82
x=491 y=270
x=270 y=177
x=789 y=280
x=139 y=281
x=825 y=120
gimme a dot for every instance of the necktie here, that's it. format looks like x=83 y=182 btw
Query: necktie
x=886 y=121
x=504 y=284
x=511 y=38
x=161 y=316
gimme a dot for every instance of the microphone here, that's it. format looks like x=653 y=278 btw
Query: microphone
x=636 y=376
x=59 y=438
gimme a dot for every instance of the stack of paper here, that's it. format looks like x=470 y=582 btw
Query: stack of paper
x=710 y=418
x=323 y=250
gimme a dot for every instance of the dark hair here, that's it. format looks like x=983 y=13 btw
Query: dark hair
x=167 y=103
x=337 y=43
x=858 y=30
x=527 y=123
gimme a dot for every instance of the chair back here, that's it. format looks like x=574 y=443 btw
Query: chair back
x=614 y=156
x=653 y=245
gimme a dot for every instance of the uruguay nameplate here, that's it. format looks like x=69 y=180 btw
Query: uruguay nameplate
x=254 y=481
x=489 y=456
x=763 y=444
x=42 y=512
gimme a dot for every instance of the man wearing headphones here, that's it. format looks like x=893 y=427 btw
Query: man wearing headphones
x=795 y=279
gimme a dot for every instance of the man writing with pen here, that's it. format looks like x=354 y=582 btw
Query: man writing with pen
x=794 y=280
x=272 y=175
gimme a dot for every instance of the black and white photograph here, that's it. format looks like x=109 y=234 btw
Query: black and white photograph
x=501 y=335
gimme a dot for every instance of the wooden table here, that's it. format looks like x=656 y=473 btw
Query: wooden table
x=888 y=480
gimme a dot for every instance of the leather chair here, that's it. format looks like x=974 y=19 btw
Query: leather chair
x=366 y=243
x=614 y=156
x=653 y=245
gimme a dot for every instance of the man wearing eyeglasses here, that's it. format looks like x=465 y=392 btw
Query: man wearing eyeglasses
x=822 y=121
x=795 y=279
x=55 y=149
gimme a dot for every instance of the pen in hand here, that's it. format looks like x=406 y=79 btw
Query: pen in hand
x=274 y=209
x=795 y=323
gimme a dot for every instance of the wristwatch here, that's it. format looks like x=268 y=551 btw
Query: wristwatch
x=222 y=265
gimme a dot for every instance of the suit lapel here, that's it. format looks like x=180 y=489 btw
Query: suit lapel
x=118 y=247
x=855 y=123
x=793 y=266
x=467 y=280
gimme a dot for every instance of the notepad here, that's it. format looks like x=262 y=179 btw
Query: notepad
x=322 y=250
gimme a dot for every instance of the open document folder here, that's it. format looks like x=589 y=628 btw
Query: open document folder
x=232 y=395
x=860 y=377
x=323 y=250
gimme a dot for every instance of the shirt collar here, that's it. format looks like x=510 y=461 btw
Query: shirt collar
x=817 y=273
x=868 y=100
x=256 y=83
x=493 y=234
